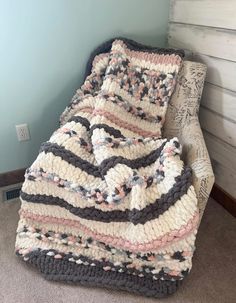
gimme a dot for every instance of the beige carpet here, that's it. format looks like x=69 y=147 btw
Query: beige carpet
x=212 y=279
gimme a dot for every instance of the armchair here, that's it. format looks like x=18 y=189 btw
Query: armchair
x=182 y=121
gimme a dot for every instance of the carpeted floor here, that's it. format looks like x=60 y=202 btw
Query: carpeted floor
x=212 y=279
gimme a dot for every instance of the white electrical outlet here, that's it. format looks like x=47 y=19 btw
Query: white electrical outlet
x=22 y=131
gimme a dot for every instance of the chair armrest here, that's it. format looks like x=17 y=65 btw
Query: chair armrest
x=196 y=156
x=182 y=122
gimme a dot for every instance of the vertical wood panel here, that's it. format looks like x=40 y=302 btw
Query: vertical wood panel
x=220 y=151
x=209 y=41
x=207 y=30
x=219 y=100
x=218 y=126
x=219 y=13
x=219 y=71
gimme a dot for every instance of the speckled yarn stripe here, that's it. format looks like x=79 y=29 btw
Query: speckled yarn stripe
x=108 y=201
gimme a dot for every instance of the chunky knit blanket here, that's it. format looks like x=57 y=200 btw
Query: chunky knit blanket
x=108 y=201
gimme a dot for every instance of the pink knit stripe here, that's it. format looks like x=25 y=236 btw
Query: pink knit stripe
x=119 y=242
x=155 y=58
x=112 y=118
x=99 y=58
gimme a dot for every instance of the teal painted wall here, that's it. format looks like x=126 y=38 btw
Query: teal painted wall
x=44 y=45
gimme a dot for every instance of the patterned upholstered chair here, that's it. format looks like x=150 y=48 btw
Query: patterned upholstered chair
x=182 y=121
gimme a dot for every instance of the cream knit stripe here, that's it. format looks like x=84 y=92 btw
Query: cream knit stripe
x=73 y=174
x=169 y=221
x=104 y=120
x=69 y=112
x=151 y=161
x=87 y=106
x=156 y=244
x=186 y=244
x=155 y=56
x=102 y=104
x=120 y=122
x=129 y=147
x=120 y=174
x=63 y=136
x=163 y=68
x=54 y=164
x=111 y=87
x=84 y=115
x=112 y=92
x=73 y=144
x=94 y=249
x=51 y=188
x=149 y=61
x=138 y=207
x=60 y=153
x=100 y=62
x=90 y=247
x=113 y=181
x=148 y=107
x=74 y=106
x=140 y=145
x=174 y=219
x=171 y=166
x=78 y=127
x=102 y=147
x=88 y=101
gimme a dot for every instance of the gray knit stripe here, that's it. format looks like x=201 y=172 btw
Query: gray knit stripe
x=150 y=212
x=63 y=270
x=102 y=169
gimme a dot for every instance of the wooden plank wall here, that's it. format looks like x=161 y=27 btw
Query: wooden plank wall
x=207 y=28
